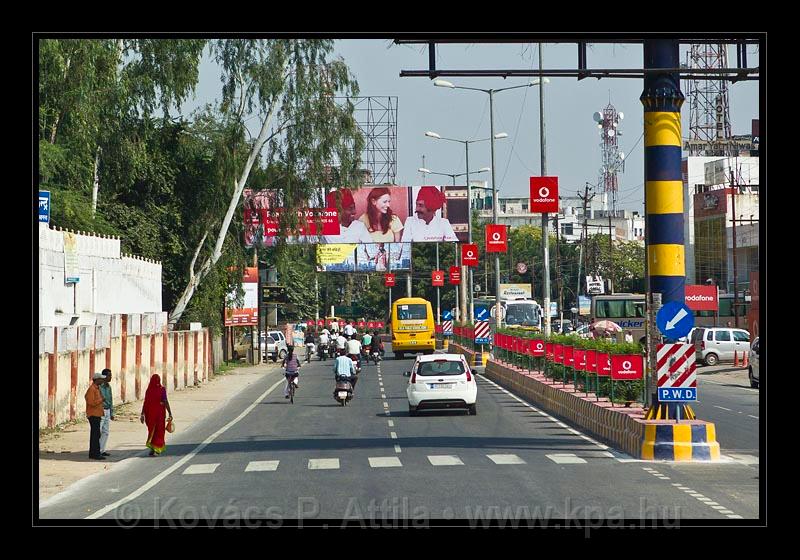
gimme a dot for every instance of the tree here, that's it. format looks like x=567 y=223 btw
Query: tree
x=289 y=86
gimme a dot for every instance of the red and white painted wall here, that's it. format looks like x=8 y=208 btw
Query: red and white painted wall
x=132 y=346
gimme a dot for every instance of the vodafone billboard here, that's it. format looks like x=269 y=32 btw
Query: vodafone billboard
x=469 y=255
x=544 y=194
x=496 y=239
x=701 y=298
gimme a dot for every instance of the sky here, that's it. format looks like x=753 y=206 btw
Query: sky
x=572 y=141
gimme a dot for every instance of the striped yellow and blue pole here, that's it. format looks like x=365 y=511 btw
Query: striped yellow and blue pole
x=664 y=243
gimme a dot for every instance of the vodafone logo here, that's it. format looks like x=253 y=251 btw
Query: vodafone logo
x=544 y=192
x=626 y=365
x=700 y=297
x=496 y=236
x=470 y=254
x=539 y=346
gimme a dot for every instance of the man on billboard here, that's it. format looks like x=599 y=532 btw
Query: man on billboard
x=351 y=230
x=428 y=225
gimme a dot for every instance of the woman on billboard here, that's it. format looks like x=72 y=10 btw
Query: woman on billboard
x=381 y=222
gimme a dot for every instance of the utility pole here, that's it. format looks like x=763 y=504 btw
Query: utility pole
x=584 y=236
x=611 y=247
x=734 y=189
x=559 y=281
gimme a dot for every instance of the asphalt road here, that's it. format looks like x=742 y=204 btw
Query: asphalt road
x=726 y=398
x=261 y=458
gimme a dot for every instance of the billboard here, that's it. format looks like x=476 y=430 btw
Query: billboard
x=363 y=257
x=370 y=214
x=245 y=314
x=544 y=194
x=701 y=298
x=515 y=291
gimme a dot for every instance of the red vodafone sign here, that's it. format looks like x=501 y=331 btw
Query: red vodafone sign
x=379 y=324
x=496 y=238
x=701 y=298
x=469 y=255
x=389 y=280
x=626 y=367
x=320 y=322
x=455 y=275
x=544 y=194
x=437 y=277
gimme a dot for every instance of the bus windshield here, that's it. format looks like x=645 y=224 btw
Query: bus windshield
x=620 y=308
x=412 y=311
x=522 y=314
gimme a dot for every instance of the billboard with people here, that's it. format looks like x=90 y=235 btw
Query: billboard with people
x=363 y=257
x=368 y=215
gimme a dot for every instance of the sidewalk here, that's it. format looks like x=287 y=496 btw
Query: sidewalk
x=64 y=453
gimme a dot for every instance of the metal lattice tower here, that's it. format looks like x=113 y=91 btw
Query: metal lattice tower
x=608 y=121
x=709 y=111
x=376 y=118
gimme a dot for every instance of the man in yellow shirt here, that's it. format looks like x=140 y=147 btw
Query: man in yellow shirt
x=94 y=412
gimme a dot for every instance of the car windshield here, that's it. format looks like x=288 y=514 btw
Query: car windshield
x=441 y=367
x=524 y=315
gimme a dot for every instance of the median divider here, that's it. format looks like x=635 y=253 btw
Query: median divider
x=622 y=427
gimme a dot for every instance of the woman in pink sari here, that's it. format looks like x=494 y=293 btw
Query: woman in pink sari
x=154 y=412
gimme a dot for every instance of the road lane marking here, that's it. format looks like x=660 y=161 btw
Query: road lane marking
x=321 y=464
x=207 y=468
x=507 y=459
x=393 y=435
x=378 y=462
x=444 y=460
x=165 y=473
x=391 y=423
x=723 y=408
x=565 y=459
x=397 y=449
x=751 y=416
x=258 y=466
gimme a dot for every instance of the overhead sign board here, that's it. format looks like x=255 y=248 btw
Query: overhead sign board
x=544 y=194
x=469 y=255
x=496 y=238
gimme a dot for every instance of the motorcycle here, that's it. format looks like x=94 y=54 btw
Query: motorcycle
x=376 y=356
x=357 y=361
x=322 y=351
x=343 y=392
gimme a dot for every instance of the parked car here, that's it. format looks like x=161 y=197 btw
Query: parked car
x=718 y=344
x=755 y=353
x=281 y=348
x=441 y=381
x=242 y=347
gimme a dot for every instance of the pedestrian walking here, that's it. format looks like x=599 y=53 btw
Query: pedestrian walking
x=94 y=412
x=108 y=412
x=628 y=336
x=154 y=414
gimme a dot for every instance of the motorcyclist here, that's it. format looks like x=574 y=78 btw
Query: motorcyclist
x=343 y=367
x=324 y=340
x=341 y=341
x=309 y=342
x=375 y=345
x=354 y=349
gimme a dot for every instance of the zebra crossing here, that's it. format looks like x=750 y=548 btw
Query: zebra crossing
x=335 y=463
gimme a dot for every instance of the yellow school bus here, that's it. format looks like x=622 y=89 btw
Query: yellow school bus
x=413 y=329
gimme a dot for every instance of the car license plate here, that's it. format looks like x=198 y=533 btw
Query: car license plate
x=342 y=394
x=412 y=342
x=442 y=385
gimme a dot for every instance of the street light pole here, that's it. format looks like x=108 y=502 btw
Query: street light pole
x=469 y=239
x=545 y=217
x=494 y=217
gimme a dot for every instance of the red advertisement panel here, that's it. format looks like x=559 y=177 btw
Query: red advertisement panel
x=437 y=278
x=362 y=324
x=537 y=348
x=455 y=275
x=580 y=359
x=558 y=353
x=701 y=298
x=549 y=350
x=496 y=238
x=626 y=367
x=603 y=364
x=591 y=360
x=389 y=280
x=568 y=356
x=469 y=255
x=327 y=217
x=247 y=314
x=370 y=324
x=544 y=194
x=320 y=322
x=379 y=324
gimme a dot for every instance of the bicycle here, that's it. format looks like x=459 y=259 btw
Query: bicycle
x=290 y=378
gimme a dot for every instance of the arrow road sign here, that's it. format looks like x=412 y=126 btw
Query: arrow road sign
x=481 y=313
x=674 y=320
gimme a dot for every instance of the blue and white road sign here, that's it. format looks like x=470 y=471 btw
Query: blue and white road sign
x=481 y=313
x=677 y=394
x=674 y=320
x=446 y=315
x=44 y=206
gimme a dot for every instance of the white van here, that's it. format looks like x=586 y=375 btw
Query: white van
x=719 y=344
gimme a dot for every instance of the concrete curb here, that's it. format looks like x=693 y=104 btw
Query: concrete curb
x=623 y=428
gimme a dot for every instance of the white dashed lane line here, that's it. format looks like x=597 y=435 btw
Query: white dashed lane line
x=696 y=495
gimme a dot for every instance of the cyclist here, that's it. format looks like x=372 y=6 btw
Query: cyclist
x=309 y=342
x=292 y=365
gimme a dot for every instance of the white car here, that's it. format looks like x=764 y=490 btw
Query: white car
x=755 y=354
x=441 y=381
